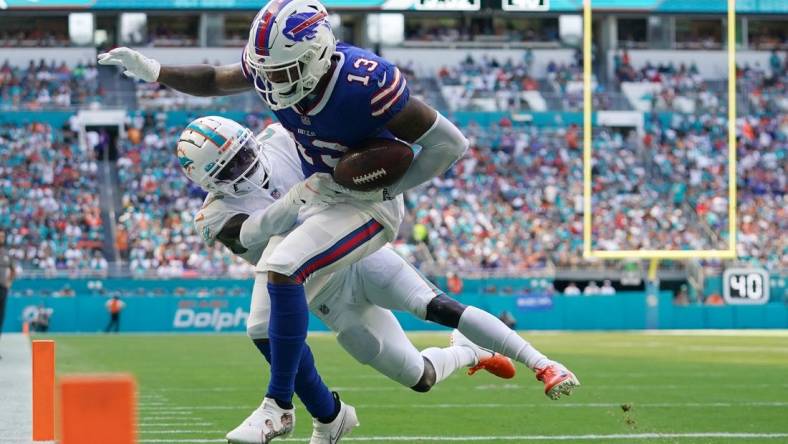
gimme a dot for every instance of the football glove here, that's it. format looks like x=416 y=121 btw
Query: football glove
x=317 y=189
x=135 y=64
x=379 y=195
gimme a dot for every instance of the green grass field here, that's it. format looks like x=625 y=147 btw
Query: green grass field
x=697 y=389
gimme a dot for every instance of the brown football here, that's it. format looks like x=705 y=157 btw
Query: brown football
x=374 y=164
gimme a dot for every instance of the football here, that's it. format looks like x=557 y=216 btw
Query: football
x=374 y=164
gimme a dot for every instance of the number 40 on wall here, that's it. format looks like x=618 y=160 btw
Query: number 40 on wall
x=745 y=286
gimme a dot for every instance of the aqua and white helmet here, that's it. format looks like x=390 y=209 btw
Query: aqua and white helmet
x=289 y=49
x=222 y=156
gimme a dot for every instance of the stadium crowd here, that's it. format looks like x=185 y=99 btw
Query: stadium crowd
x=681 y=88
x=45 y=85
x=513 y=203
x=505 y=82
x=651 y=192
x=33 y=39
x=487 y=77
x=49 y=207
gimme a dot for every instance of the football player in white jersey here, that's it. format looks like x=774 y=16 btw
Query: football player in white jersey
x=355 y=301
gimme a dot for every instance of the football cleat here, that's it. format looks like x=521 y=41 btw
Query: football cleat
x=341 y=425
x=495 y=363
x=267 y=422
x=558 y=380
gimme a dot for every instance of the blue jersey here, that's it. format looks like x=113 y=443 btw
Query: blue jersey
x=364 y=93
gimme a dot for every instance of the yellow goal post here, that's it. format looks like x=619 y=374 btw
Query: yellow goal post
x=588 y=251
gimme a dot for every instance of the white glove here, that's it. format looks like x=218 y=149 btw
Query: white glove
x=134 y=63
x=317 y=189
x=379 y=195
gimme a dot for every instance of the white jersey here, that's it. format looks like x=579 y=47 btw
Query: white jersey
x=281 y=159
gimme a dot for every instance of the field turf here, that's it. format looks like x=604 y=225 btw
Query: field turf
x=636 y=388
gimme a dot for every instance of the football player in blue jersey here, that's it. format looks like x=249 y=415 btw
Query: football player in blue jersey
x=330 y=96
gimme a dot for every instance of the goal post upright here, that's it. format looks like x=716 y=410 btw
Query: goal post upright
x=588 y=250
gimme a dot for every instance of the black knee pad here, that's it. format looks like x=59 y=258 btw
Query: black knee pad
x=445 y=311
x=427 y=378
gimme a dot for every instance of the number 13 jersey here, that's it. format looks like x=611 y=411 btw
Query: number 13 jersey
x=365 y=92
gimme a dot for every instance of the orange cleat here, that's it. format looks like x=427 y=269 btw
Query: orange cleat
x=558 y=380
x=497 y=364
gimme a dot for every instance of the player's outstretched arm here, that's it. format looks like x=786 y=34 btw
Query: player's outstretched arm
x=196 y=80
x=442 y=143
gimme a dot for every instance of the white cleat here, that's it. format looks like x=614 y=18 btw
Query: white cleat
x=336 y=429
x=266 y=423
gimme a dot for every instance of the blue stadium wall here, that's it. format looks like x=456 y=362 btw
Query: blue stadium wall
x=533 y=310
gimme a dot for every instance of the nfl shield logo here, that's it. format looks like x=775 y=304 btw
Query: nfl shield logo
x=276 y=194
x=306 y=120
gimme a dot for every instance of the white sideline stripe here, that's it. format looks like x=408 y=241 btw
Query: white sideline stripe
x=531 y=405
x=186 y=440
x=632 y=436
x=179 y=432
x=174 y=424
x=16 y=384
x=583 y=405
x=781 y=333
x=702 y=348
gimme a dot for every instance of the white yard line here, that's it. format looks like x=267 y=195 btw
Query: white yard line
x=16 y=385
x=174 y=409
x=486 y=387
x=630 y=436
x=148 y=424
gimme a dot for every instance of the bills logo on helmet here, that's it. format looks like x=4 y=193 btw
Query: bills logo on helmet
x=303 y=26
x=265 y=38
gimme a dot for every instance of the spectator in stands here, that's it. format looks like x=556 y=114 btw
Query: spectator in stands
x=48 y=201
x=48 y=86
x=607 y=288
x=487 y=83
x=571 y=290
x=592 y=289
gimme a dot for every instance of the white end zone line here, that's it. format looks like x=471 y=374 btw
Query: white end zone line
x=632 y=436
